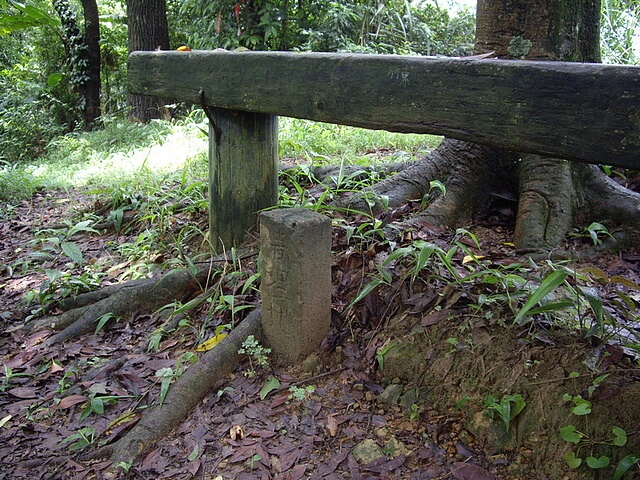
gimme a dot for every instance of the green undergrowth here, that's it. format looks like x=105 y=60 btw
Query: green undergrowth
x=150 y=184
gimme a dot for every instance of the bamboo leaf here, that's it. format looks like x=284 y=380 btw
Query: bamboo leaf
x=550 y=283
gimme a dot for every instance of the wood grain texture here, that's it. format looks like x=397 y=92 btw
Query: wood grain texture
x=243 y=173
x=584 y=112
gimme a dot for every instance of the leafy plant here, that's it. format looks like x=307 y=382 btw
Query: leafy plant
x=300 y=393
x=595 y=231
x=269 y=386
x=581 y=408
x=507 y=408
x=166 y=376
x=8 y=375
x=382 y=351
x=258 y=355
x=82 y=439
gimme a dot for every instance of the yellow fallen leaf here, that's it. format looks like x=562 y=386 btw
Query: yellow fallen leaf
x=212 y=342
x=471 y=258
x=127 y=416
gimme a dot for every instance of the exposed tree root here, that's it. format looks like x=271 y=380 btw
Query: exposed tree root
x=553 y=195
x=183 y=396
x=82 y=313
x=414 y=180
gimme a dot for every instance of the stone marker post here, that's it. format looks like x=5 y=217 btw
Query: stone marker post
x=295 y=246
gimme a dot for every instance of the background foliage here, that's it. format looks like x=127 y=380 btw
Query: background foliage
x=39 y=102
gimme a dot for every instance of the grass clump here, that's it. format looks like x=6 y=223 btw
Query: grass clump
x=325 y=142
x=16 y=183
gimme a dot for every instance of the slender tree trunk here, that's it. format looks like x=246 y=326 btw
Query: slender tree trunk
x=148 y=30
x=91 y=87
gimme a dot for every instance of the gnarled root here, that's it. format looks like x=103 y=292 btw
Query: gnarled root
x=86 y=310
x=183 y=396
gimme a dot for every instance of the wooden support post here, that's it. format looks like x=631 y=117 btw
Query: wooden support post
x=296 y=281
x=243 y=172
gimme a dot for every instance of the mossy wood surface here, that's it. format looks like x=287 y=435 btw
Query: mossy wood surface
x=583 y=112
x=243 y=173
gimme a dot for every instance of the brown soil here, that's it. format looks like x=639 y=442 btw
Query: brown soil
x=420 y=416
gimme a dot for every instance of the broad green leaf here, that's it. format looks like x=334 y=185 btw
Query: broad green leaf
x=572 y=460
x=570 y=434
x=519 y=405
x=625 y=464
x=97 y=405
x=620 y=437
x=72 y=251
x=102 y=320
x=54 y=79
x=552 y=307
x=397 y=253
x=505 y=412
x=600 y=462
x=439 y=185
x=550 y=283
x=582 y=408
x=269 y=386
x=369 y=287
x=164 y=388
x=83 y=226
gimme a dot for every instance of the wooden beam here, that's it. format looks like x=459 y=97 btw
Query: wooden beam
x=584 y=112
x=243 y=173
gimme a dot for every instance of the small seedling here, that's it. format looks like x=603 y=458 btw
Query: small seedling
x=507 y=408
x=125 y=466
x=81 y=439
x=569 y=433
x=382 y=352
x=258 y=355
x=166 y=375
x=300 y=393
x=414 y=412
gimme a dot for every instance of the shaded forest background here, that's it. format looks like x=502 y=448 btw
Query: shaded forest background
x=48 y=68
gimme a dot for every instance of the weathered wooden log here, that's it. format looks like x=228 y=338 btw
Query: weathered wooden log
x=584 y=112
x=243 y=172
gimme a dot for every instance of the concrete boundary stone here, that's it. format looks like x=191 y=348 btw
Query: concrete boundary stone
x=295 y=247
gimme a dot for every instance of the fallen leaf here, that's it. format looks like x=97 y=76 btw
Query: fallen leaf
x=56 y=367
x=469 y=471
x=210 y=343
x=24 y=392
x=332 y=425
x=4 y=421
x=70 y=401
x=236 y=433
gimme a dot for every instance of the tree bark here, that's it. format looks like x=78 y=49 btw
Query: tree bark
x=91 y=87
x=553 y=195
x=148 y=30
x=183 y=396
x=83 y=52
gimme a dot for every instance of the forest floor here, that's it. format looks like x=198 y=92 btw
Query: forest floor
x=339 y=422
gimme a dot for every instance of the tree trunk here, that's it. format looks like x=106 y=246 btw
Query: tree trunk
x=148 y=30
x=552 y=195
x=567 y=30
x=91 y=87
